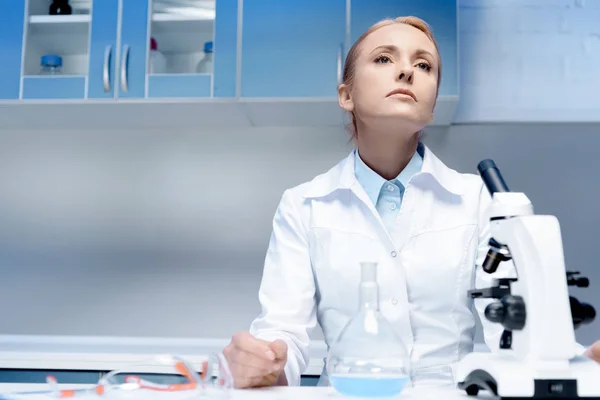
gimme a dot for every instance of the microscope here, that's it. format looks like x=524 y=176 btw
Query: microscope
x=537 y=356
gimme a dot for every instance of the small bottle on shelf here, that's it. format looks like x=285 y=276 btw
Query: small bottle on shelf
x=205 y=65
x=158 y=62
x=60 y=7
x=51 y=64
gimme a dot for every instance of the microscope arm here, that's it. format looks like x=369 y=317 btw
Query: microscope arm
x=492 y=332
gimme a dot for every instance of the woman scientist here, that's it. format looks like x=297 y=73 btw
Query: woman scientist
x=390 y=198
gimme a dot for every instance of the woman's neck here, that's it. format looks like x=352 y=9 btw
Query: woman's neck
x=387 y=153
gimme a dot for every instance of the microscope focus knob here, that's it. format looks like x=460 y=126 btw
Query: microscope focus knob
x=509 y=311
x=495 y=312
x=581 y=313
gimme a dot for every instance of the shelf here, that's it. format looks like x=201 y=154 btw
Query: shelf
x=60 y=24
x=60 y=19
x=163 y=17
x=186 y=114
x=57 y=76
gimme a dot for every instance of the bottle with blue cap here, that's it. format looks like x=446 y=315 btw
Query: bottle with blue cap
x=206 y=63
x=51 y=64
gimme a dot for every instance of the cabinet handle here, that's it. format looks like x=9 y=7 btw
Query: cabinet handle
x=105 y=70
x=124 y=86
x=340 y=63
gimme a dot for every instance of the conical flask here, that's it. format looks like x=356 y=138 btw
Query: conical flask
x=368 y=359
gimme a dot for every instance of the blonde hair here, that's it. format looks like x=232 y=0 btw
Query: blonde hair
x=349 y=66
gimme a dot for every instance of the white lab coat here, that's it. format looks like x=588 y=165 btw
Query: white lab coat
x=322 y=229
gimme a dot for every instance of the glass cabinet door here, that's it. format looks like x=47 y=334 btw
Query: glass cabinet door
x=181 y=48
x=56 y=49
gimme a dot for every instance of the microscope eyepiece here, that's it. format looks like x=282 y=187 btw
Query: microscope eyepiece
x=492 y=177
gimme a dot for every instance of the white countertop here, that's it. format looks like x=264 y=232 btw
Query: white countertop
x=109 y=353
x=283 y=393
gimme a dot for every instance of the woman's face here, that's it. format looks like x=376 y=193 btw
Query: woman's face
x=395 y=78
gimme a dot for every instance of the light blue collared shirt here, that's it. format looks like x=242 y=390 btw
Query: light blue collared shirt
x=386 y=195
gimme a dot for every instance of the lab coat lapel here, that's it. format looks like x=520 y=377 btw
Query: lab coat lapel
x=349 y=178
x=342 y=177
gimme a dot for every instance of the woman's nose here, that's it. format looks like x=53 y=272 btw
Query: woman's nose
x=405 y=74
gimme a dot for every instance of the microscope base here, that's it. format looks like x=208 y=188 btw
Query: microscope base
x=509 y=378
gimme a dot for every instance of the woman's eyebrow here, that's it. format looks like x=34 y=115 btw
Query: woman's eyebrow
x=394 y=49
x=389 y=47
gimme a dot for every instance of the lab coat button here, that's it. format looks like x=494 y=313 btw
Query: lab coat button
x=394 y=254
x=394 y=301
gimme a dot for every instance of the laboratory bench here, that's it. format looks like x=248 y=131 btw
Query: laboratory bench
x=27 y=360
x=315 y=393
x=79 y=361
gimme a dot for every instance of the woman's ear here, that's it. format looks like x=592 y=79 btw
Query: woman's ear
x=345 y=97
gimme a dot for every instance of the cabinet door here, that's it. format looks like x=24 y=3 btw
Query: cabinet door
x=134 y=46
x=292 y=49
x=439 y=14
x=11 y=43
x=56 y=56
x=226 y=30
x=103 y=49
x=181 y=49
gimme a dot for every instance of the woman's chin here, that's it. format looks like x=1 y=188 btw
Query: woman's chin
x=407 y=116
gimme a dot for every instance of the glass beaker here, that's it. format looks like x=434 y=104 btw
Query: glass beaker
x=368 y=359
x=178 y=376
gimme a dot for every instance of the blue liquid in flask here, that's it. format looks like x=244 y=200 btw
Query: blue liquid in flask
x=367 y=385
x=368 y=359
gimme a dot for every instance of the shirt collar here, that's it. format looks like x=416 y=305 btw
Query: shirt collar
x=372 y=182
x=342 y=176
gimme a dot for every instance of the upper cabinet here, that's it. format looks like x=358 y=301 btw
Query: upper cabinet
x=274 y=62
x=292 y=49
x=121 y=49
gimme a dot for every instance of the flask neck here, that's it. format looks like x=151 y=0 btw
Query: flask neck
x=369 y=296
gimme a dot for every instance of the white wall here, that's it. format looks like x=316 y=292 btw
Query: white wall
x=145 y=233
x=164 y=234
x=155 y=233
x=529 y=60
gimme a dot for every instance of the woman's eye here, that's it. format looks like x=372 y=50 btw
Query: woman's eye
x=424 y=66
x=383 y=59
